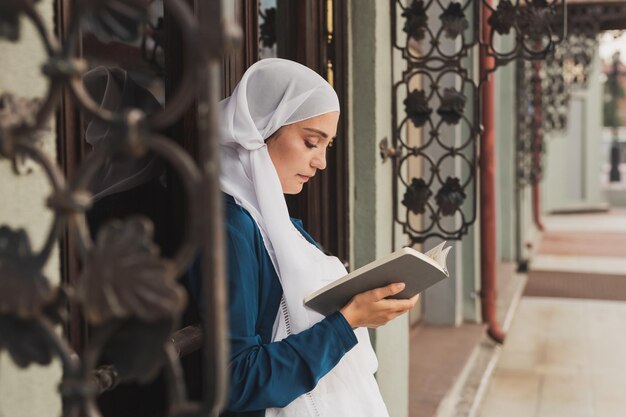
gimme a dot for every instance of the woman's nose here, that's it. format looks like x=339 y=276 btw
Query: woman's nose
x=319 y=160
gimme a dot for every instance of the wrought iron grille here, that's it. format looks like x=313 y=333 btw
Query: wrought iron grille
x=127 y=291
x=530 y=120
x=544 y=93
x=563 y=72
x=524 y=139
x=555 y=87
x=437 y=100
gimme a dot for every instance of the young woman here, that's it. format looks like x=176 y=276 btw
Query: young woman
x=287 y=360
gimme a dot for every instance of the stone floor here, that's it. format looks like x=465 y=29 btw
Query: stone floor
x=448 y=364
x=437 y=358
x=564 y=356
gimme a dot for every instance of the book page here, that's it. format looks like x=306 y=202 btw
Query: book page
x=439 y=254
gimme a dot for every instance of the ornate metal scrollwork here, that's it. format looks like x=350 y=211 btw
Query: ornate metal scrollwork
x=127 y=291
x=543 y=96
x=436 y=101
x=556 y=91
x=524 y=120
x=566 y=70
x=535 y=25
x=530 y=119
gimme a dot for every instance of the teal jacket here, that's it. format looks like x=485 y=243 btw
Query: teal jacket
x=265 y=374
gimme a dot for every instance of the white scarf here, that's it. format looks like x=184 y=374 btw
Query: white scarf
x=271 y=94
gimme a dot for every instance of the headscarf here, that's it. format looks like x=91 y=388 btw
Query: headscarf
x=274 y=93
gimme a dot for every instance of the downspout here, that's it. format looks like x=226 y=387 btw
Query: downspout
x=537 y=144
x=537 y=202
x=487 y=192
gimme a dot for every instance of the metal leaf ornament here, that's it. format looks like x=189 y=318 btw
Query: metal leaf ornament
x=535 y=20
x=450 y=196
x=503 y=17
x=24 y=290
x=25 y=294
x=16 y=112
x=416 y=20
x=452 y=106
x=416 y=196
x=9 y=22
x=416 y=107
x=124 y=277
x=10 y=12
x=453 y=20
x=24 y=341
x=120 y=20
x=555 y=99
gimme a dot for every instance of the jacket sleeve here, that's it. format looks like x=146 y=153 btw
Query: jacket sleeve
x=273 y=374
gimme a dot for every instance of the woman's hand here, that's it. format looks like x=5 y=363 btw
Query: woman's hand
x=372 y=308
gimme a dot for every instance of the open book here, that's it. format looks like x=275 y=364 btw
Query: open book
x=417 y=270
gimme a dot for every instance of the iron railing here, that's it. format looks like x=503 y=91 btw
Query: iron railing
x=127 y=291
x=543 y=92
x=431 y=102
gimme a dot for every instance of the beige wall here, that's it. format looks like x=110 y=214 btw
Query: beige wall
x=33 y=391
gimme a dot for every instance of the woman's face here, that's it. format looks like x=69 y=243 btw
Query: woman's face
x=298 y=150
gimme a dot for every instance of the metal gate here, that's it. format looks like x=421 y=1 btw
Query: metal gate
x=127 y=291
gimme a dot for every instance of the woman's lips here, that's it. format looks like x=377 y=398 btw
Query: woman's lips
x=304 y=178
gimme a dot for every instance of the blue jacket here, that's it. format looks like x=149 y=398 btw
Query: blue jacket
x=266 y=374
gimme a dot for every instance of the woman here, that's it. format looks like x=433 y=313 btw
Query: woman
x=287 y=360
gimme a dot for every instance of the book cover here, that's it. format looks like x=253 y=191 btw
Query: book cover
x=417 y=270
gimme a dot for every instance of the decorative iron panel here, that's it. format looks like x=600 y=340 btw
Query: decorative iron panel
x=524 y=137
x=563 y=72
x=555 y=86
x=437 y=99
x=127 y=291
x=544 y=95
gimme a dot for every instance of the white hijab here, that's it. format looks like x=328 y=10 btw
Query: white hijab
x=274 y=93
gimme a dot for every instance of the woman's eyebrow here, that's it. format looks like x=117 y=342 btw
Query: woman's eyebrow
x=319 y=132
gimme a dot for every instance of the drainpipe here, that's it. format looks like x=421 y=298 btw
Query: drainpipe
x=537 y=203
x=487 y=194
x=537 y=144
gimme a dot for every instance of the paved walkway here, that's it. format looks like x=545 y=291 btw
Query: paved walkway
x=564 y=356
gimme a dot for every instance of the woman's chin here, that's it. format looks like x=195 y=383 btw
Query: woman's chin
x=295 y=189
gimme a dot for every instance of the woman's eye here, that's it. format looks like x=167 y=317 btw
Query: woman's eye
x=310 y=145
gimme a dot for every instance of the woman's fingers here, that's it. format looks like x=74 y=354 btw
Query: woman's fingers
x=396 y=305
x=387 y=291
x=374 y=308
x=412 y=301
